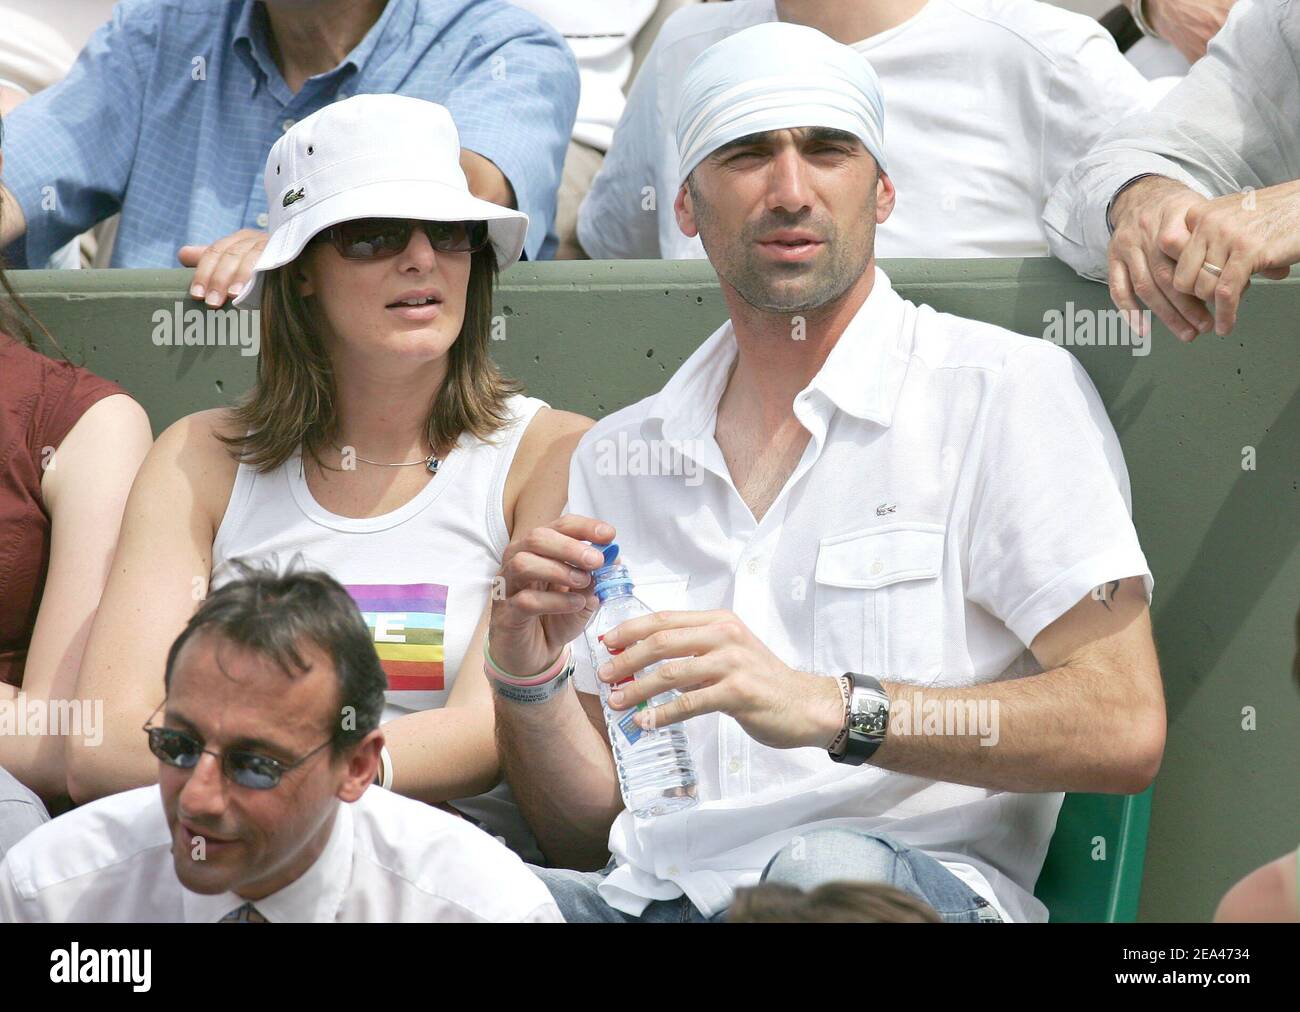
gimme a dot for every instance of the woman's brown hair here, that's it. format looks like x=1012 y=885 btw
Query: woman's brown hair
x=17 y=321
x=292 y=404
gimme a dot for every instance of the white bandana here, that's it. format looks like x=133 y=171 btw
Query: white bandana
x=777 y=76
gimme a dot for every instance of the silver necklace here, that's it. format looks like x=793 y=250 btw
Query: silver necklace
x=431 y=462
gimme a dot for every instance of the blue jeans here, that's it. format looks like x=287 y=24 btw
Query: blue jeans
x=21 y=811
x=816 y=857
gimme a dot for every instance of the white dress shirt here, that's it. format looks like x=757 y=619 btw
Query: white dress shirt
x=1231 y=125
x=987 y=104
x=388 y=858
x=962 y=489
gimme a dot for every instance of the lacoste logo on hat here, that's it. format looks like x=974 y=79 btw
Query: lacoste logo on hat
x=292 y=196
x=886 y=507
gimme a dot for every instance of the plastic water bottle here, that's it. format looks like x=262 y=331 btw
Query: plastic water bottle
x=655 y=772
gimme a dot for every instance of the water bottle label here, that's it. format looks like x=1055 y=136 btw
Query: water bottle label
x=627 y=724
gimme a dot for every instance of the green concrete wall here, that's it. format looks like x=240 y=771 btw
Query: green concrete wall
x=1222 y=540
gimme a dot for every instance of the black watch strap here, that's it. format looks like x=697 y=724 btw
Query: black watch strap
x=868 y=719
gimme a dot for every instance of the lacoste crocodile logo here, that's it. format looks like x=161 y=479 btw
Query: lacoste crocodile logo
x=292 y=196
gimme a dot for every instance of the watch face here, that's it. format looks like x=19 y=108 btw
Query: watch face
x=869 y=715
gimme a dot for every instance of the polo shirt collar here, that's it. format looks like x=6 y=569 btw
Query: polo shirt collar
x=862 y=375
x=313 y=897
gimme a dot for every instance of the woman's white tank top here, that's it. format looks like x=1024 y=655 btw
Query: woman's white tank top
x=421 y=575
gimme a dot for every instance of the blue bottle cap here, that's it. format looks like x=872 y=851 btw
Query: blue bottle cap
x=610 y=551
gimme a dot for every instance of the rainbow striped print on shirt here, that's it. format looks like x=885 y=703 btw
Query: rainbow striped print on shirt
x=407 y=622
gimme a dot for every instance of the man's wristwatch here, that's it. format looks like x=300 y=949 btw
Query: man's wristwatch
x=866 y=720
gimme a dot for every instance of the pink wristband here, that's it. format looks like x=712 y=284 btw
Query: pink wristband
x=493 y=670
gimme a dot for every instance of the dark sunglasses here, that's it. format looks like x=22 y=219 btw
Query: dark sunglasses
x=377 y=238
x=247 y=769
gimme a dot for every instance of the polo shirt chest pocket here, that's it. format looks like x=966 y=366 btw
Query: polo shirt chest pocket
x=878 y=605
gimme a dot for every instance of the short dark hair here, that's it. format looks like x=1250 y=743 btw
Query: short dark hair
x=829 y=903
x=275 y=614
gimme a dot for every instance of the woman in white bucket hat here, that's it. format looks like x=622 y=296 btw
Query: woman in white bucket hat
x=379 y=443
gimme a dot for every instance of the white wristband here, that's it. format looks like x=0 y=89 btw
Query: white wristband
x=385 y=769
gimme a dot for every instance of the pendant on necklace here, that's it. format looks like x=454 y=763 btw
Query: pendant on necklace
x=432 y=463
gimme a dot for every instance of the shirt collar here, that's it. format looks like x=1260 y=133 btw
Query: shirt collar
x=863 y=373
x=313 y=897
x=861 y=376
x=394 y=22
x=252 y=28
x=250 y=43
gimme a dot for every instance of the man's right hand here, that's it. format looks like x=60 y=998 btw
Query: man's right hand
x=1150 y=219
x=224 y=267
x=547 y=599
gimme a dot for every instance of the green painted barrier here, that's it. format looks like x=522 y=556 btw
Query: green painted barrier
x=1211 y=435
x=1093 y=870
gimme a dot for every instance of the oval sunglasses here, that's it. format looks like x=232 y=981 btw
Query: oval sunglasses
x=378 y=238
x=240 y=766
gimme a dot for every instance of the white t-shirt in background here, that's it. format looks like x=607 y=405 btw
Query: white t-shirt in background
x=1157 y=58
x=987 y=104
x=600 y=33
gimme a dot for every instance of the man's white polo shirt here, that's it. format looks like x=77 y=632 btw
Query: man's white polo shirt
x=388 y=858
x=962 y=488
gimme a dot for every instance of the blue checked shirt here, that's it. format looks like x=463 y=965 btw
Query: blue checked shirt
x=170 y=110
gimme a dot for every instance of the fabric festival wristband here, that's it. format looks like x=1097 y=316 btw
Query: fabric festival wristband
x=532 y=694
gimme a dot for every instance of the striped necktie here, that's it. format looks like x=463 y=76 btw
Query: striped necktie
x=247 y=914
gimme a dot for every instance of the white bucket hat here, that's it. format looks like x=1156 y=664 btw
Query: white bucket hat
x=371 y=156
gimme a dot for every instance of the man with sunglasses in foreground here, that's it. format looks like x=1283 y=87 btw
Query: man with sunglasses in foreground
x=268 y=745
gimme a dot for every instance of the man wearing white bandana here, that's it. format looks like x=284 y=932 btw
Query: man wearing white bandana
x=897 y=582
x=991 y=102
